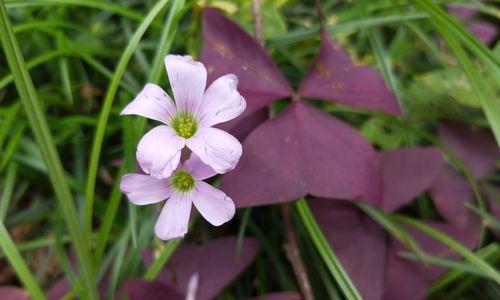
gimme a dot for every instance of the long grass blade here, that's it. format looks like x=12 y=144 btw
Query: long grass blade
x=473 y=258
x=106 y=110
x=45 y=141
x=18 y=264
x=334 y=266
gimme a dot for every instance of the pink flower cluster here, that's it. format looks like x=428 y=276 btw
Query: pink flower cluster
x=187 y=122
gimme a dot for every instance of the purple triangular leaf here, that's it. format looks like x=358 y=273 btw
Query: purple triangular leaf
x=214 y=262
x=304 y=151
x=334 y=77
x=406 y=173
x=8 y=292
x=450 y=193
x=475 y=147
x=227 y=48
x=357 y=241
x=279 y=296
x=147 y=290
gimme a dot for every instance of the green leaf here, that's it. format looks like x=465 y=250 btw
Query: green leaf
x=17 y=262
x=334 y=266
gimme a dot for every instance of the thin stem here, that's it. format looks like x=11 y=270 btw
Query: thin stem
x=293 y=254
x=257 y=21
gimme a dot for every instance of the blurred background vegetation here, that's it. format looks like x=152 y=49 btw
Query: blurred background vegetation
x=73 y=49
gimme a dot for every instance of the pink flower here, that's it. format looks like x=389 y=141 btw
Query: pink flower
x=188 y=121
x=183 y=187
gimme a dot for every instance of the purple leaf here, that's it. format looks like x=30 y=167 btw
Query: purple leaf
x=334 y=77
x=484 y=31
x=357 y=241
x=215 y=263
x=406 y=173
x=8 y=292
x=304 y=151
x=140 y=290
x=475 y=147
x=229 y=49
x=450 y=193
x=408 y=279
x=492 y=194
x=279 y=296
x=461 y=12
x=243 y=125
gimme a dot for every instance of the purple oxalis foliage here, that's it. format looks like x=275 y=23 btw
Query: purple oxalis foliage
x=357 y=241
x=217 y=255
x=138 y=289
x=334 y=77
x=484 y=31
x=406 y=173
x=381 y=273
x=13 y=293
x=477 y=150
x=229 y=49
x=279 y=296
x=302 y=150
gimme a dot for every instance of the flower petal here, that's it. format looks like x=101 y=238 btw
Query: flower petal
x=153 y=103
x=159 y=151
x=144 y=189
x=197 y=168
x=217 y=148
x=213 y=204
x=174 y=217
x=221 y=102
x=188 y=79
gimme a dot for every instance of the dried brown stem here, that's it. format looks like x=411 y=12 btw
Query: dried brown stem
x=257 y=21
x=293 y=255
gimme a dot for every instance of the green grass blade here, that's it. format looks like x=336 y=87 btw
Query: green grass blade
x=334 y=266
x=47 y=56
x=396 y=230
x=442 y=262
x=18 y=264
x=7 y=122
x=475 y=260
x=6 y=195
x=162 y=259
x=489 y=253
x=453 y=32
x=102 y=5
x=105 y=112
x=45 y=141
x=451 y=24
x=109 y=217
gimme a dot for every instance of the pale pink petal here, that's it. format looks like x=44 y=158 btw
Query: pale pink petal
x=188 y=79
x=144 y=189
x=159 y=151
x=217 y=148
x=174 y=217
x=153 y=103
x=221 y=101
x=213 y=204
x=197 y=168
x=192 y=288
